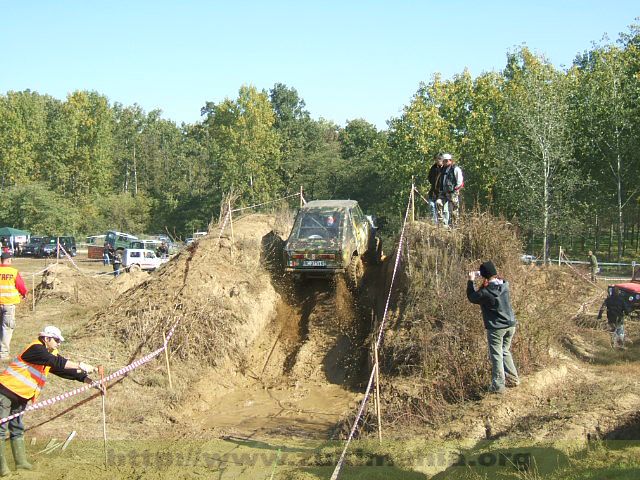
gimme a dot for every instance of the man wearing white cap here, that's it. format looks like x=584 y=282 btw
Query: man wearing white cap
x=23 y=380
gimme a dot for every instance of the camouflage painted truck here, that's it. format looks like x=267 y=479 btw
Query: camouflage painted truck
x=332 y=237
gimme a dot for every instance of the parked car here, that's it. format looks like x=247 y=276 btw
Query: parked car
x=49 y=246
x=332 y=237
x=119 y=240
x=32 y=249
x=145 y=244
x=142 y=259
x=526 y=258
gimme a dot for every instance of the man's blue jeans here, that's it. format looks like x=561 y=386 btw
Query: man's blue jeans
x=434 y=211
x=500 y=356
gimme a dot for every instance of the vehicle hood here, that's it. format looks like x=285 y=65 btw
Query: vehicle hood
x=313 y=244
x=629 y=287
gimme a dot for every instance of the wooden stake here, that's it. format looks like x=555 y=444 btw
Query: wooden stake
x=301 y=198
x=378 y=412
x=166 y=359
x=413 y=199
x=33 y=293
x=233 y=258
x=103 y=390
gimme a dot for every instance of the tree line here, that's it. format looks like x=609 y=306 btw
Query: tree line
x=555 y=149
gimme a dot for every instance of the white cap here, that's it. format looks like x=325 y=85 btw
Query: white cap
x=446 y=156
x=53 y=332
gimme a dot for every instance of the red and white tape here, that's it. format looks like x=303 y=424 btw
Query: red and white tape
x=126 y=369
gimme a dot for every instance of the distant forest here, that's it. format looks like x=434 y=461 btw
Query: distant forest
x=557 y=151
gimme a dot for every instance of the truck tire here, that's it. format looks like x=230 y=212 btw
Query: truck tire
x=355 y=273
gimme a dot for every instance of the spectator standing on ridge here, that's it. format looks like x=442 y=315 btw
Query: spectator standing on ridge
x=500 y=323
x=434 y=184
x=451 y=181
x=23 y=380
x=593 y=265
x=616 y=309
x=12 y=287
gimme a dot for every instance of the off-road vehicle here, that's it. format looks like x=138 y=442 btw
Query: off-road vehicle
x=630 y=291
x=332 y=237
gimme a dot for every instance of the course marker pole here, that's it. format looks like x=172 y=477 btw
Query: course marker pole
x=103 y=391
x=166 y=359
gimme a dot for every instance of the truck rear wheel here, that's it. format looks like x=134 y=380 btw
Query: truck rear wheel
x=355 y=273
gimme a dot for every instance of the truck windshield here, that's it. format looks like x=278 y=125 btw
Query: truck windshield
x=318 y=224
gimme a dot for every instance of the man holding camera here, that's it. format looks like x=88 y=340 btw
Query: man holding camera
x=499 y=321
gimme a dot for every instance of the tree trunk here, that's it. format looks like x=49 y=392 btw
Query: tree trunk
x=610 y=239
x=597 y=234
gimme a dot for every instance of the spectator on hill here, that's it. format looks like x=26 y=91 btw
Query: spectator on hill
x=616 y=306
x=593 y=265
x=448 y=202
x=434 y=184
x=12 y=288
x=500 y=323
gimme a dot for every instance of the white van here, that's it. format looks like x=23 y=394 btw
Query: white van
x=141 y=259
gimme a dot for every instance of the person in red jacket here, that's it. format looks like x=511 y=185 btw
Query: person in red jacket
x=12 y=288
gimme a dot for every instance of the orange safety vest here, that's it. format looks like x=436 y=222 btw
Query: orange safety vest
x=26 y=379
x=9 y=294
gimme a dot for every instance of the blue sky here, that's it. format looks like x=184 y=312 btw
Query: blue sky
x=346 y=59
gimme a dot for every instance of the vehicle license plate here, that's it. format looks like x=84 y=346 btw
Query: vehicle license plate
x=314 y=263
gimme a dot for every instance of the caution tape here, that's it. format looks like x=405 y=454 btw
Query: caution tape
x=71 y=393
x=367 y=394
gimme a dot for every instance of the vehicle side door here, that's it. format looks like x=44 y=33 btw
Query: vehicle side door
x=360 y=228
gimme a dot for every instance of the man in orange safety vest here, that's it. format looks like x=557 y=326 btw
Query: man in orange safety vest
x=23 y=380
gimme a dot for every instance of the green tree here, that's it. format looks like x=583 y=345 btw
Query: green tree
x=539 y=179
x=245 y=150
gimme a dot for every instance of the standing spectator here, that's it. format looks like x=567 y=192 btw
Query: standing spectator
x=593 y=265
x=451 y=181
x=616 y=307
x=23 y=380
x=434 y=184
x=12 y=287
x=106 y=253
x=500 y=323
x=117 y=261
x=163 y=250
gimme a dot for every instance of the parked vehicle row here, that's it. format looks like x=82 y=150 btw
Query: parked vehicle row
x=48 y=246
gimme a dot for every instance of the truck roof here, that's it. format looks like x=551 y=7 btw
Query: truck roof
x=331 y=204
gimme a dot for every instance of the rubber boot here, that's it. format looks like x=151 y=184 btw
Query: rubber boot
x=20 y=454
x=4 y=468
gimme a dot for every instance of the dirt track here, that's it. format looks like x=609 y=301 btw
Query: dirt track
x=294 y=372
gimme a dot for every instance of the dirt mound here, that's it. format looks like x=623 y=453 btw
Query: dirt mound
x=64 y=282
x=215 y=290
x=130 y=279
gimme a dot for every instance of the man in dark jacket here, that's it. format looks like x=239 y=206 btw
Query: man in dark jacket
x=616 y=307
x=434 y=184
x=500 y=323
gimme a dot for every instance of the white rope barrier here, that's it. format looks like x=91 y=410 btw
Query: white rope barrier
x=266 y=203
x=367 y=394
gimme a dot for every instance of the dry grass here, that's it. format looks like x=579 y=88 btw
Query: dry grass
x=436 y=350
